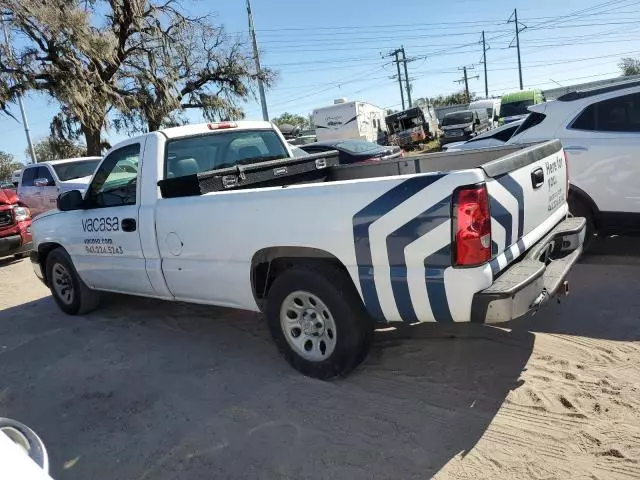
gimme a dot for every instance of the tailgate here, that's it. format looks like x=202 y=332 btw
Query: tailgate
x=528 y=191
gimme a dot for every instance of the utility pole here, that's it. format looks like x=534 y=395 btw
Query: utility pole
x=514 y=15
x=397 y=60
x=21 y=105
x=484 y=61
x=256 y=58
x=406 y=77
x=395 y=53
x=465 y=79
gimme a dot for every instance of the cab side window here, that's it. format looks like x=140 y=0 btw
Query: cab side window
x=45 y=174
x=28 y=176
x=115 y=182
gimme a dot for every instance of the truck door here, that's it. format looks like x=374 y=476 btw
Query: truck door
x=27 y=191
x=46 y=188
x=106 y=245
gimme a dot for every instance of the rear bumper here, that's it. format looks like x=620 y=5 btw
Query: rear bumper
x=530 y=283
x=13 y=245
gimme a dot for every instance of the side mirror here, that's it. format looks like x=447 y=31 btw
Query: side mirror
x=477 y=121
x=71 y=200
x=42 y=182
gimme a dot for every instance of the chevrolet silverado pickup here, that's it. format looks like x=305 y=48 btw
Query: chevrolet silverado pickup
x=474 y=236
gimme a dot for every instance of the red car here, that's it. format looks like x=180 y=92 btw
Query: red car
x=15 y=225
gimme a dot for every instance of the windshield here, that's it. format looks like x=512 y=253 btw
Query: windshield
x=457 y=118
x=357 y=146
x=73 y=170
x=512 y=109
x=192 y=155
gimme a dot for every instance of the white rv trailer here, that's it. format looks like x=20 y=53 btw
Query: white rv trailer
x=349 y=120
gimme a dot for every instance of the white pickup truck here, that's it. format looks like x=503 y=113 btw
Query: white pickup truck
x=475 y=236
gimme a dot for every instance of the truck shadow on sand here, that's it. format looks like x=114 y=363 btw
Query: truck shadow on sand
x=145 y=389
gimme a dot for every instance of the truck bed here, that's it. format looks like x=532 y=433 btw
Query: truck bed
x=494 y=162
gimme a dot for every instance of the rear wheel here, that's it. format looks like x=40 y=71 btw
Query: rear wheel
x=70 y=293
x=578 y=208
x=317 y=320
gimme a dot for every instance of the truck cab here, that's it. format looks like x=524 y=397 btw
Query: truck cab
x=39 y=184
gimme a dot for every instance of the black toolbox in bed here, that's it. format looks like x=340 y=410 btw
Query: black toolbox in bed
x=271 y=173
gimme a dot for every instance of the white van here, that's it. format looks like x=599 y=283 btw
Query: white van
x=491 y=106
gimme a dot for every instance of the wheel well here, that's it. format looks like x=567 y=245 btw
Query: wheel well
x=584 y=198
x=44 y=250
x=269 y=263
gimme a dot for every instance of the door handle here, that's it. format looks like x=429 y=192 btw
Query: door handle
x=128 y=224
x=537 y=178
x=576 y=149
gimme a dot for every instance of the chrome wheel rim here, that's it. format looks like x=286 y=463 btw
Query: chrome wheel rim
x=62 y=284
x=308 y=326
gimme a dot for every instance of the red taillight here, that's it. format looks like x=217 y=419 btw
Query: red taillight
x=222 y=125
x=472 y=226
x=566 y=167
x=368 y=160
x=402 y=154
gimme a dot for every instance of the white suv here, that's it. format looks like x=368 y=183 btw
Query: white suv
x=600 y=131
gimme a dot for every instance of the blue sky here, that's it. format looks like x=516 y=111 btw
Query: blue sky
x=332 y=49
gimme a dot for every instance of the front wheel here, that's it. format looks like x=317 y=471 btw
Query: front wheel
x=70 y=293
x=317 y=320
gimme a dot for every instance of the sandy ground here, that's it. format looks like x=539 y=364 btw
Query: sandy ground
x=150 y=390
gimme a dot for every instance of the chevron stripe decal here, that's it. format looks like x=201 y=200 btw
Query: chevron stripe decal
x=398 y=241
x=515 y=189
x=403 y=247
x=363 y=220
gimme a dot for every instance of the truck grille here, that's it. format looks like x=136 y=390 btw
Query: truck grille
x=6 y=218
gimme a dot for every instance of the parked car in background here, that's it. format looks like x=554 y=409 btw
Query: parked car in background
x=41 y=183
x=492 y=138
x=514 y=106
x=355 y=151
x=600 y=131
x=15 y=225
x=463 y=125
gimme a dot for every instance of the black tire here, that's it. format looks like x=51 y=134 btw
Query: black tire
x=354 y=328
x=81 y=299
x=578 y=208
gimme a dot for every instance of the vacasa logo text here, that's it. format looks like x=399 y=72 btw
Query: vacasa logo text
x=107 y=224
